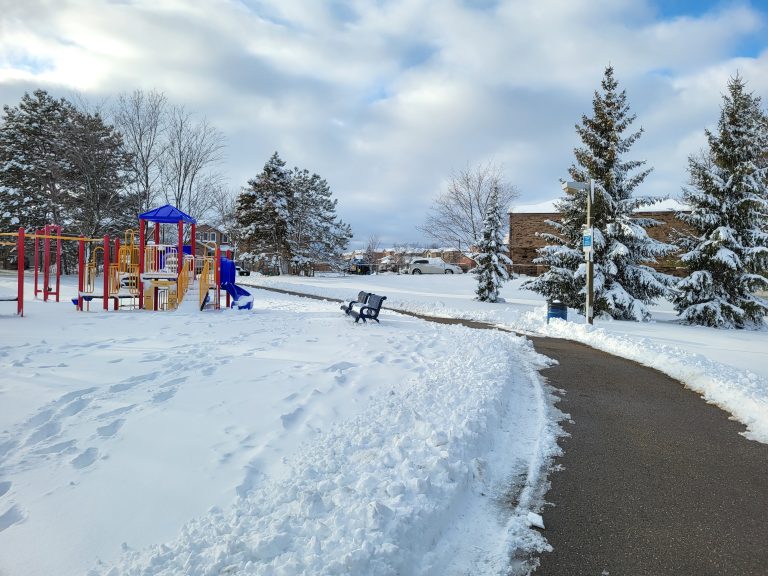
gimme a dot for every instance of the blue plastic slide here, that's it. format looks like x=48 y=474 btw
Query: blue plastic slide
x=241 y=298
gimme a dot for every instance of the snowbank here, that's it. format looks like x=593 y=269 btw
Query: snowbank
x=727 y=367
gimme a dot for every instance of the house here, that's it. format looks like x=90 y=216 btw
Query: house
x=526 y=222
x=208 y=235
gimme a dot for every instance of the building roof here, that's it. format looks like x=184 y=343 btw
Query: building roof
x=548 y=207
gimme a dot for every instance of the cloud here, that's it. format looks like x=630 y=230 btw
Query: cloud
x=386 y=98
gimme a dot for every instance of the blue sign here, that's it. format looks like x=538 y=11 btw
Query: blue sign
x=586 y=241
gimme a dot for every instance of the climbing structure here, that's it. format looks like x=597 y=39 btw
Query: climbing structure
x=165 y=271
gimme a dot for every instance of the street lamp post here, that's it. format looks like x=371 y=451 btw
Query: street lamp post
x=587 y=242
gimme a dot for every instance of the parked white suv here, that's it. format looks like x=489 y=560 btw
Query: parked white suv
x=432 y=266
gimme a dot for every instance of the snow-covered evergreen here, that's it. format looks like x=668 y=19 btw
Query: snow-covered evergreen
x=491 y=260
x=624 y=283
x=290 y=216
x=728 y=195
x=262 y=213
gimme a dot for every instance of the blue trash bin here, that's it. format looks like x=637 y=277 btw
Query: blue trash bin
x=556 y=309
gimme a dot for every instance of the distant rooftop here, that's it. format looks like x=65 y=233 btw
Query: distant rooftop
x=548 y=207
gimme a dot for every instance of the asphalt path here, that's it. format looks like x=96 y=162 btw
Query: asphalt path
x=653 y=480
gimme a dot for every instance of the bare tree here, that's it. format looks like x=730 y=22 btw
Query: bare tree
x=374 y=246
x=140 y=118
x=193 y=148
x=456 y=217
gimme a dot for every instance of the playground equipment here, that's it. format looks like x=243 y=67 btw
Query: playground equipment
x=135 y=273
x=19 y=244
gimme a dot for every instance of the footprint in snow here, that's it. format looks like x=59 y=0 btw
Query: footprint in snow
x=75 y=406
x=85 y=459
x=116 y=412
x=69 y=396
x=58 y=448
x=10 y=517
x=47 y=430
x=166 y=394
x=340 y=367
x=173 y=382
x=289 y=420
x=131 y=382
x=110 y=429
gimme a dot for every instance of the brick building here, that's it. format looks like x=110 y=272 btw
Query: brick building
x=526 y=221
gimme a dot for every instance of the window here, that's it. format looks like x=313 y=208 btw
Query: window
x=224 y=239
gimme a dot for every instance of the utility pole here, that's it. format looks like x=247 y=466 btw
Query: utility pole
x=587 y=243
x=590 y=312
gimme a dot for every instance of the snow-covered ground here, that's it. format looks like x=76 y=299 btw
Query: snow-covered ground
x=728 y=367
x=282 y=440
x=288 y=440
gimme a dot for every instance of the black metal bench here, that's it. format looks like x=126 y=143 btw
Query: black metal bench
x=362 y=298
x=368 y=310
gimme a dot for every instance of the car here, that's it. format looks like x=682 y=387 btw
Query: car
x=242 y=271
x=357 y=266
x=432 y=266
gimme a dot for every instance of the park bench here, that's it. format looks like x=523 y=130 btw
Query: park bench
x=368 y=309
x=362 y=298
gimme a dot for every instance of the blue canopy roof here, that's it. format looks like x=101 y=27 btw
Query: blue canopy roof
x=167 y=215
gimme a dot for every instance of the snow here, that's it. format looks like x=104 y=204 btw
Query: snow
x=287 y=440
x=548 y=207
x=727 y=367
x=280 y=440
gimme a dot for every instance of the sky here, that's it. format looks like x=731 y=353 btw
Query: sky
x=387 y=99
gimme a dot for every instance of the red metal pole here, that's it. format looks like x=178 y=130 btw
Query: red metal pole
x=20 y=256
x=58 y=262
x=80 y=273
x=37 y=263
x=106 y=272
x=157 y=263
x=141 y=264
x=46 y=262
x=229 y=257
x=180 y=258
x=193 y=245
x=217 y=276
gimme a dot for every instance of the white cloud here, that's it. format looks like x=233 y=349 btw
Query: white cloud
x=385 y=99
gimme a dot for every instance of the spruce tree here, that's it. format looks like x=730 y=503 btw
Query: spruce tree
x=624 y=283
x=34 y=167
x=728 y=196
x=315 y=234
x=262 y=213
x=491 y=271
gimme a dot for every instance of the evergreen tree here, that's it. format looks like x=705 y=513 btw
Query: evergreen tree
x=491 y=271
x=728 y=195
x=98 y=176
x=624 y=284
x=315 y=232
x=263 y=211
x=34 y=166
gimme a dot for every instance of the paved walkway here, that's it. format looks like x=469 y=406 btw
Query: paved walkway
x=654 y=480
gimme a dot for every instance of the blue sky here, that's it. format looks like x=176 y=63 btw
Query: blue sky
x=387 y=98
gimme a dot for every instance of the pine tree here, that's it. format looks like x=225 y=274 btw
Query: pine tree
x=491 y=271
x=624 y=283
x=262 y=213
x=314 y=231
x=99 y=169
x=728 y=195
x=34 y=167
